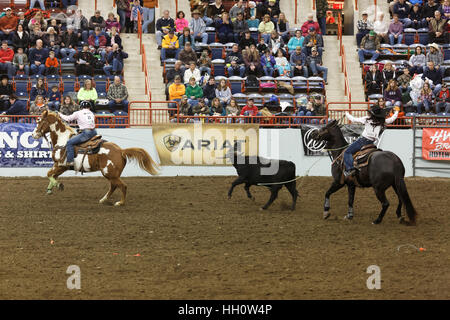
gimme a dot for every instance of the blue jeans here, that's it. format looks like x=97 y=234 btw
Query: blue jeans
x=207 y=69
x=443 y=105
x=26 y=69
x=67 y=3
x=266 y=37
x=203 y=36
x=68 y=53
x=9 y=68
x=268 y=71
x=116 y=66
x=123 y=16
x=38 y=69
x=208 y=20
x=360 y=35
x=241 y=71
x=41 y=4
x=406 y=22
x=318 y=68
x=148 y=17
x=82 y=137
x=322 y=21
x=112 y=105
x=54 y=105
x=392 y=39
x=352 y=149
x=363 y=52
x=424 y=104
x=164 y=52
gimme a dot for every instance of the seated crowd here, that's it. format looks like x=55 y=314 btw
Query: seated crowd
x=41 y=52
x=418 y=35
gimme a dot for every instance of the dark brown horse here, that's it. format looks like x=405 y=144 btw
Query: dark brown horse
x=110 y=160
x=384 y=170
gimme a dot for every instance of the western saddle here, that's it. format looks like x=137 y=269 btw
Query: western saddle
x=91 y=146
x=362 y=157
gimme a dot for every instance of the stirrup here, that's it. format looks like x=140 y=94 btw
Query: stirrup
x=348 y=173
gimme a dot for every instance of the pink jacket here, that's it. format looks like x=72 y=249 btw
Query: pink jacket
x=180 y=24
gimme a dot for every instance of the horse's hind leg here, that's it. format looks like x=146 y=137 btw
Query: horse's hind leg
x=108 y=195
x=123 y=187
x=381 y=195
x=291 y=186
x=247 y=189
x=399 y=207
x=274 y=193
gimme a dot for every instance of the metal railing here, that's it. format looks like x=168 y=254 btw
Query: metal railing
x=101 y=121
x=343 y=60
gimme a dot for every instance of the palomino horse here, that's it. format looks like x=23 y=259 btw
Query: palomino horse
x=110 y=159
x=385 y=169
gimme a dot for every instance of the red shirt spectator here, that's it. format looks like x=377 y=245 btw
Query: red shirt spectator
x=8 y=23
x=310 y=23
x=250 y=108
x=6 y=54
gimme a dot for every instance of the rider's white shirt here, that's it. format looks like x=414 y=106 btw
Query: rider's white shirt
x=84 y=118
x=370 y=132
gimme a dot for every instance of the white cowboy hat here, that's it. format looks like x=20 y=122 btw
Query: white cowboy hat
x=435 y=45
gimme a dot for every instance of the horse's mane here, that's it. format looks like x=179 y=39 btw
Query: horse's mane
x=56 y=115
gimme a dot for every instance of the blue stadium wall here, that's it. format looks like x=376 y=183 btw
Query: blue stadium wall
x=273 y=143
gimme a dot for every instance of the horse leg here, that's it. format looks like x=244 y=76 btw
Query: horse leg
x=399 y=207
x=53 y=175
x=381 y=195
x=123 y=187
x=291 y=186
x=326 y=206
x=247 y=189
x=274 y=193
x=351 y=197
x=108 y=195
x=236 y=182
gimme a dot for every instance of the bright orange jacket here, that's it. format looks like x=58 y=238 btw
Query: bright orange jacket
x=150 y=4
x=51 y=62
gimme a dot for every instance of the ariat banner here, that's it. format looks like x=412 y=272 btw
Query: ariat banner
x=200 y=144
x=436 y=144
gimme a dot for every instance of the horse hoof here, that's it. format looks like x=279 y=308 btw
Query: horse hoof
x=326 y=215
x=118 y=204
x=347 y=217
x=49 y=192
x=262 y=209
x=229 y=197
x=376 y=222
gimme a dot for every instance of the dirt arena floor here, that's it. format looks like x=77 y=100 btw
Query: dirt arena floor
x=181 y=238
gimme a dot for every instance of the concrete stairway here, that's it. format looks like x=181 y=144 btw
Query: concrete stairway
x=332 y=60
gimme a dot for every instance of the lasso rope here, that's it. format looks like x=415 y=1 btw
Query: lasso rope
x=275 y=183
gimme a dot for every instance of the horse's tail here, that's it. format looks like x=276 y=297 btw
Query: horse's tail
x=143 y=158
x=404 y=197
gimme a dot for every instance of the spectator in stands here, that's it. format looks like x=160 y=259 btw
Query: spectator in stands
x=308 y=24
x=429 y=10
x=218 y=109
x=68 y=106
x=443 y=100
x=187 y=55
x=388 y=73
x=97 y=42
x=20 y=38
x=416 y=17
x=201 y=109
x=21 y=19
x=163 y=26
x=313 y=39
x=321 y=14
x=21 y=63
x=176 y=71
x=41 y=4
x=117 y=96
x=296 y=41
x=52 y=40
x=262 y=46
x=252 y=61
x=57 y=27
x=237 y=8
x=148 y=15
x=38 y=106
x=268 y=63
x=69 y=42
x=314 y=63
x=113 y=38
x=435 y=55
x=6 y=90
x=436 y=28
x=185 y=109
x=87 y=92
x=392 y=94
x=298 y=63
x=417 y=61
x=373 y=80
x=282 y=27
x=96 y=21
x=395 y=31
x=401 y=9
x=250 y=15
x=17 y=107
x=54 y=98
x=67 y=3
x=123 y=6
x=276 y=43
x=434 y=76
x=8 y=24
x=445 y=9
x=250 y=109
x=136 y=9
x=425 y=100
x=214 y=11
x=38 y=20
x=381 y=28
x=38 y=89
x=209 y=90
x=192 y=71
x=224 y=28
x=240 y=26
x=51 y=64
x=80 y=25
x=265 y=28
x=111 y=22
x=223 y=93
x=176 y=91
x=6 y=58
x=36 y=34
x=181 y=23
x=364 y=27
x=272 y=9
x=204 y=62
x=282 y=65
x=246 y=41
x=198 y=27
x=115 y=61
x=84 y=60
x=404 y=80
x=170 y=46
x=370 y=46
x=232 y=110
x=193 y=92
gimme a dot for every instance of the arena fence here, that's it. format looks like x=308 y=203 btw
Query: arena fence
x=146 y=113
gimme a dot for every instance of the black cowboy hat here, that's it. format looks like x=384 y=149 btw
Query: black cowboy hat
x=377 y=112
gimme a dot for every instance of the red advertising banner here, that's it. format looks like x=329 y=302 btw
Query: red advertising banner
x=436 y=144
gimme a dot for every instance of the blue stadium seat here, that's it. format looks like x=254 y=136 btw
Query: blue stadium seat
x=236 y=84
x=241 y=99
x=300 y=83
x=218 y=67
x=211 y=31
x=21 y=84
x=216 y=50
x=120 y=119
x=423 y=36
x=409 y=36
x=104 y=118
